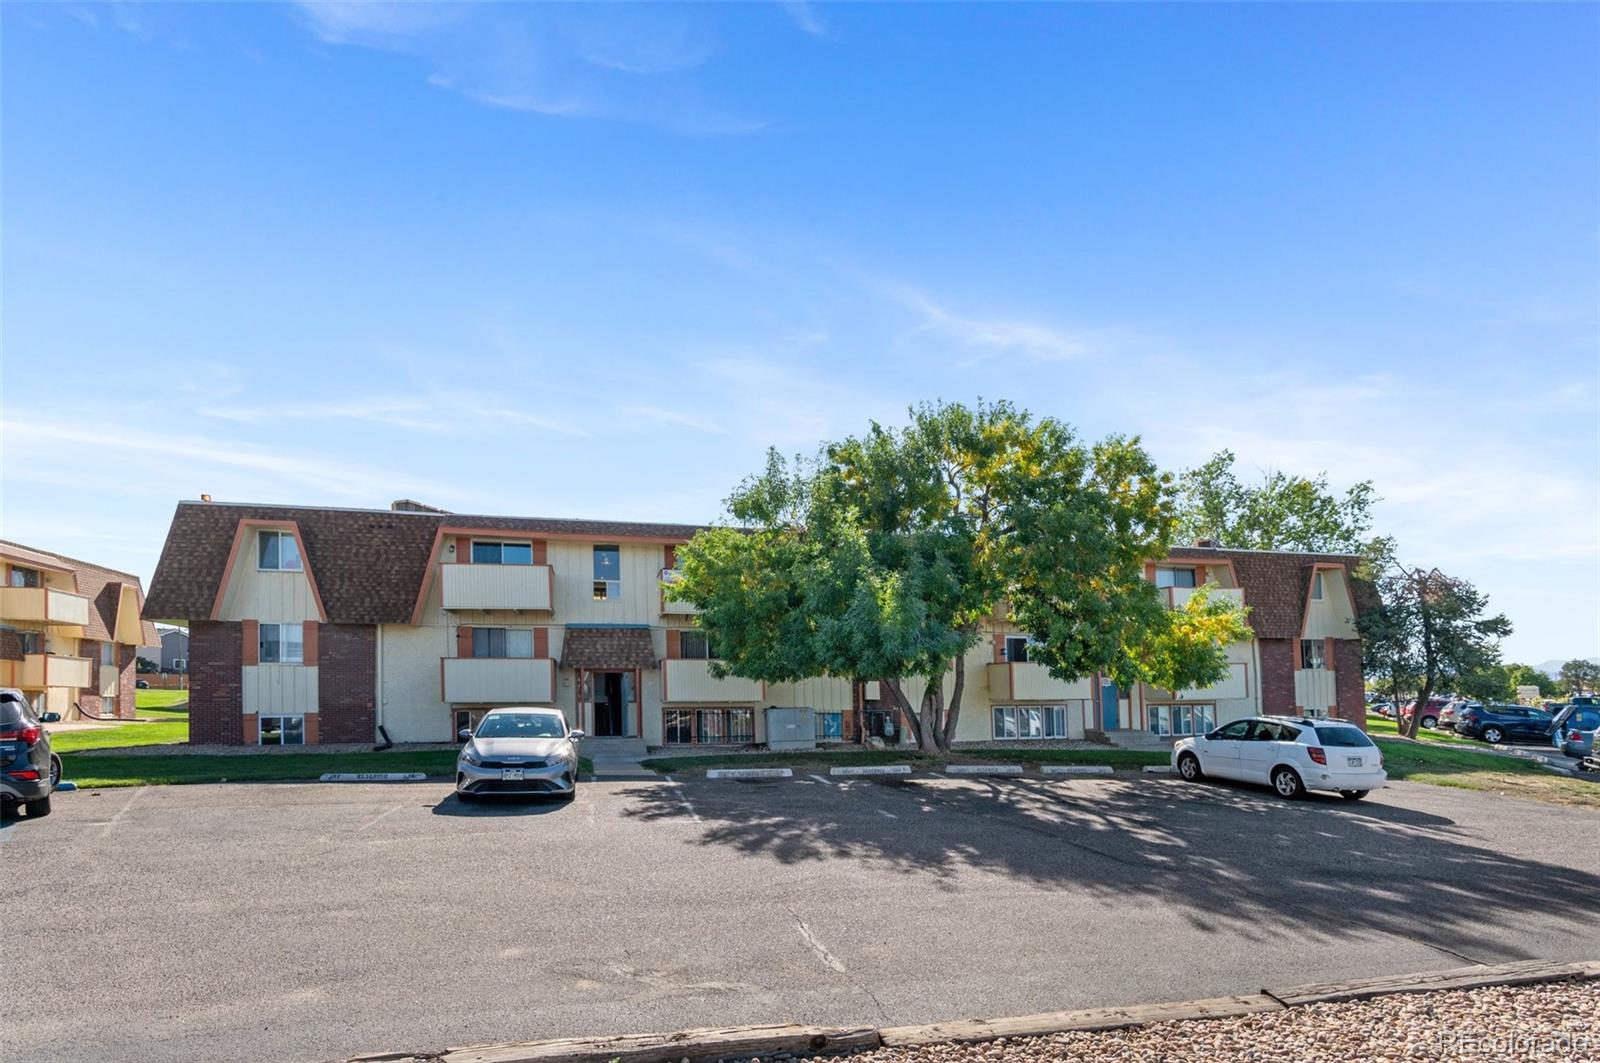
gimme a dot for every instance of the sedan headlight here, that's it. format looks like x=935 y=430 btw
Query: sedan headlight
x=469 y=754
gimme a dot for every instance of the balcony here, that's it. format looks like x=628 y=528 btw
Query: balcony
x=1178 y=597
x=499 y=680
x=692 y=681
x=39 y=670
x=1021 y=681
x=1316 y=689
x=527 y=588
x=1235 y=686
x=669 y=608
x=44 y=605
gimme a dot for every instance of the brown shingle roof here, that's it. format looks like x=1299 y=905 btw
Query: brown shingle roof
x=607 y=647
x=101 y=585
x=368 y=563
x=1275 y=583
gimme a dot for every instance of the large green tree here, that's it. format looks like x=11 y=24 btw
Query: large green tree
x=881 y=557
x=1526 y=675
x=1427 y=630
x=1580 y=676
x=1282 y=512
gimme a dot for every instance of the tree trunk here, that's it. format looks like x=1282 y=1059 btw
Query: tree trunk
x=903 y=706
x=952 y=712
x=928 y=737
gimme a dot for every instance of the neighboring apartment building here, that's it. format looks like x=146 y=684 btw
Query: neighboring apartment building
x=312 y=625
x=69 y=632
x=172 y=656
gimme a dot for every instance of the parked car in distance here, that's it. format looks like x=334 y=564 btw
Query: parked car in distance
x=1430 y=715
x=29 y=772
x=520 y=750
x=1573 y=730
x=1504 y=723
x=1290 y=755
x=141 y=684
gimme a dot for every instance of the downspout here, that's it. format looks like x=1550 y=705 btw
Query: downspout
x=377 y=693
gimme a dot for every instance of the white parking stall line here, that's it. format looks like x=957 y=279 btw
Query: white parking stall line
x=380 y=815
x=112 y=822
x=821 y=779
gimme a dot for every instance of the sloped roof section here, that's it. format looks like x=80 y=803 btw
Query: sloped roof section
x=101 y=585
x=369 y=563
x=1276 y=583
x=607 y=647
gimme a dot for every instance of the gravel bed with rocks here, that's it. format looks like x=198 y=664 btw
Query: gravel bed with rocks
x=1552 y=1021
x=185 y=749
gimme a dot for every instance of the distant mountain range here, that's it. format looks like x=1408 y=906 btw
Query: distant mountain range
x=1553 y=668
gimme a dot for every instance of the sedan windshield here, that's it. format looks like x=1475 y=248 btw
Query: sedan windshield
x=522 y=725
x=1342 y=736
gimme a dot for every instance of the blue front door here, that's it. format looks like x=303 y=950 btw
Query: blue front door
x=1108 y=706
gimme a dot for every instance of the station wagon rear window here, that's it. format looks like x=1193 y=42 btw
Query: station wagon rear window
x=1342 y=736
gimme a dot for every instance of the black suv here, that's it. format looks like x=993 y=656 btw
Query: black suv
x=1504 y=723
x=28 y=770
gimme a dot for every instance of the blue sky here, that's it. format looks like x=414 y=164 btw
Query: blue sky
x=592 y=261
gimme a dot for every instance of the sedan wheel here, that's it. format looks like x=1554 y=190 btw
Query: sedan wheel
x=1493 y=735
x=1430 y=722
x=1287 y=783
x=1189 y=767
x=1352 y=795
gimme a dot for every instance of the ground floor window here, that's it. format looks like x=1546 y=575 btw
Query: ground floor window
x=1017 y=722
x=880 y=722
x=830 y=726
x=1169 y=720
x=709 y=726
x=468 y=720
x=108 y=706
x=283 y=730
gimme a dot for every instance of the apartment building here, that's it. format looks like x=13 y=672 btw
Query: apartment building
x=69 y=632
x=318 y=625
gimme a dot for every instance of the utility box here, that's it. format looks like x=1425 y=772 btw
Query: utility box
x=791 y=728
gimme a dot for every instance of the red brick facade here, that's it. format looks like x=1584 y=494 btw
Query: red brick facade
x=1278 y=666
x=347 y=678
x=1350 y=685
x=1277 y=676
x=216 y=692
x=89 y=700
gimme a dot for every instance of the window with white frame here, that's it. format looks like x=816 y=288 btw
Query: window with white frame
x=282 y=730
x=1017 y=648
x=1313 y=654
x=278 y=551
x=282 y=644
x=694 y=646
x=498 y=553
x=502 y=642
x=1175 y=577
x=607 y=573
x=1169 y=720
x=108 y=654
x=1316 y=587
x=1025 y=722
x=108 y=705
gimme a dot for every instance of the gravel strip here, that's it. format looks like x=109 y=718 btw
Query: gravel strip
x=1557 y=1020
x=185 y=749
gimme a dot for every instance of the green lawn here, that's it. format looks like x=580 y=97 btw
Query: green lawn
x=159 y=699
x=1441 y=764
x=811 y=760
x=101 y=772
x=167 y=732
x=1378 y=727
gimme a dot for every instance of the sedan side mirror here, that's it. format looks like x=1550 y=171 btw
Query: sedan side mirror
x=575 y=735
x=50 y=717
x=464 y=734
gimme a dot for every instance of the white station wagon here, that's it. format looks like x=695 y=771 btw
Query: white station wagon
x=1290 y=755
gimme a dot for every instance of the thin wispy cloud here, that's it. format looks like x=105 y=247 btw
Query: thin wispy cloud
x=804 y=16
x=438 y=411
x=634 y=64
x=988 y=335
x=673 y=418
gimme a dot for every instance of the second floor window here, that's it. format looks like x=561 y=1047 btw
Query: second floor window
x=1312 y=654
x=502 y=553
x=30 y=642
x=502 y=642
x=607 y=573
x=108 y=654
x=24 y=577
x=282 y=644
x=1175 y=577
x=1316 y=587
x=1017 y=648
x=278 y=552
x=694 y=646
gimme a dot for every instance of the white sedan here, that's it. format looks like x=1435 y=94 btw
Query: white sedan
x=1290 y=755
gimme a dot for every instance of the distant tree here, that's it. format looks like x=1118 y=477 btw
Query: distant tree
x=881 y=559
x=1526 y=675
x=1283 y=512
x=1425 y=631
x=1487 y=684
x=1580 y=676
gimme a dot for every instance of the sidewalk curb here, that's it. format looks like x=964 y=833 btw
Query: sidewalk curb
x=1077 y=769
x=983 y=769
x=743 y=1042
x=750 y=773
x=373 y=776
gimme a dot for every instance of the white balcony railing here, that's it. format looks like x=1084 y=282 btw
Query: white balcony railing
x=691 y=681
x=38 y=670
x=1023 y=681
x=669 y=608
x=529 y=588
x=499 y=680
x=44 y=605
x=1178 y=597
x=1316 y=688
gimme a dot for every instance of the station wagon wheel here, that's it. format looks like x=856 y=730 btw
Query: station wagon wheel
x=1493 y=735
x=1287 y=782
x=1189 y=767
x=55 y=771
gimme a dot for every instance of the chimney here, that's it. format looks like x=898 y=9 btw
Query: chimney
x=411 y=505
x=1206 y=543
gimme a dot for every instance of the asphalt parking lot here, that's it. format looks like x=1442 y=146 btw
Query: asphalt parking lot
x=304 y=922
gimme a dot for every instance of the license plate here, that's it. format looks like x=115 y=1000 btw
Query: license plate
x=511 y=774
x=1354 y=762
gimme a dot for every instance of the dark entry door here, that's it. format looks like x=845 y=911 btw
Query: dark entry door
x=610 y=706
